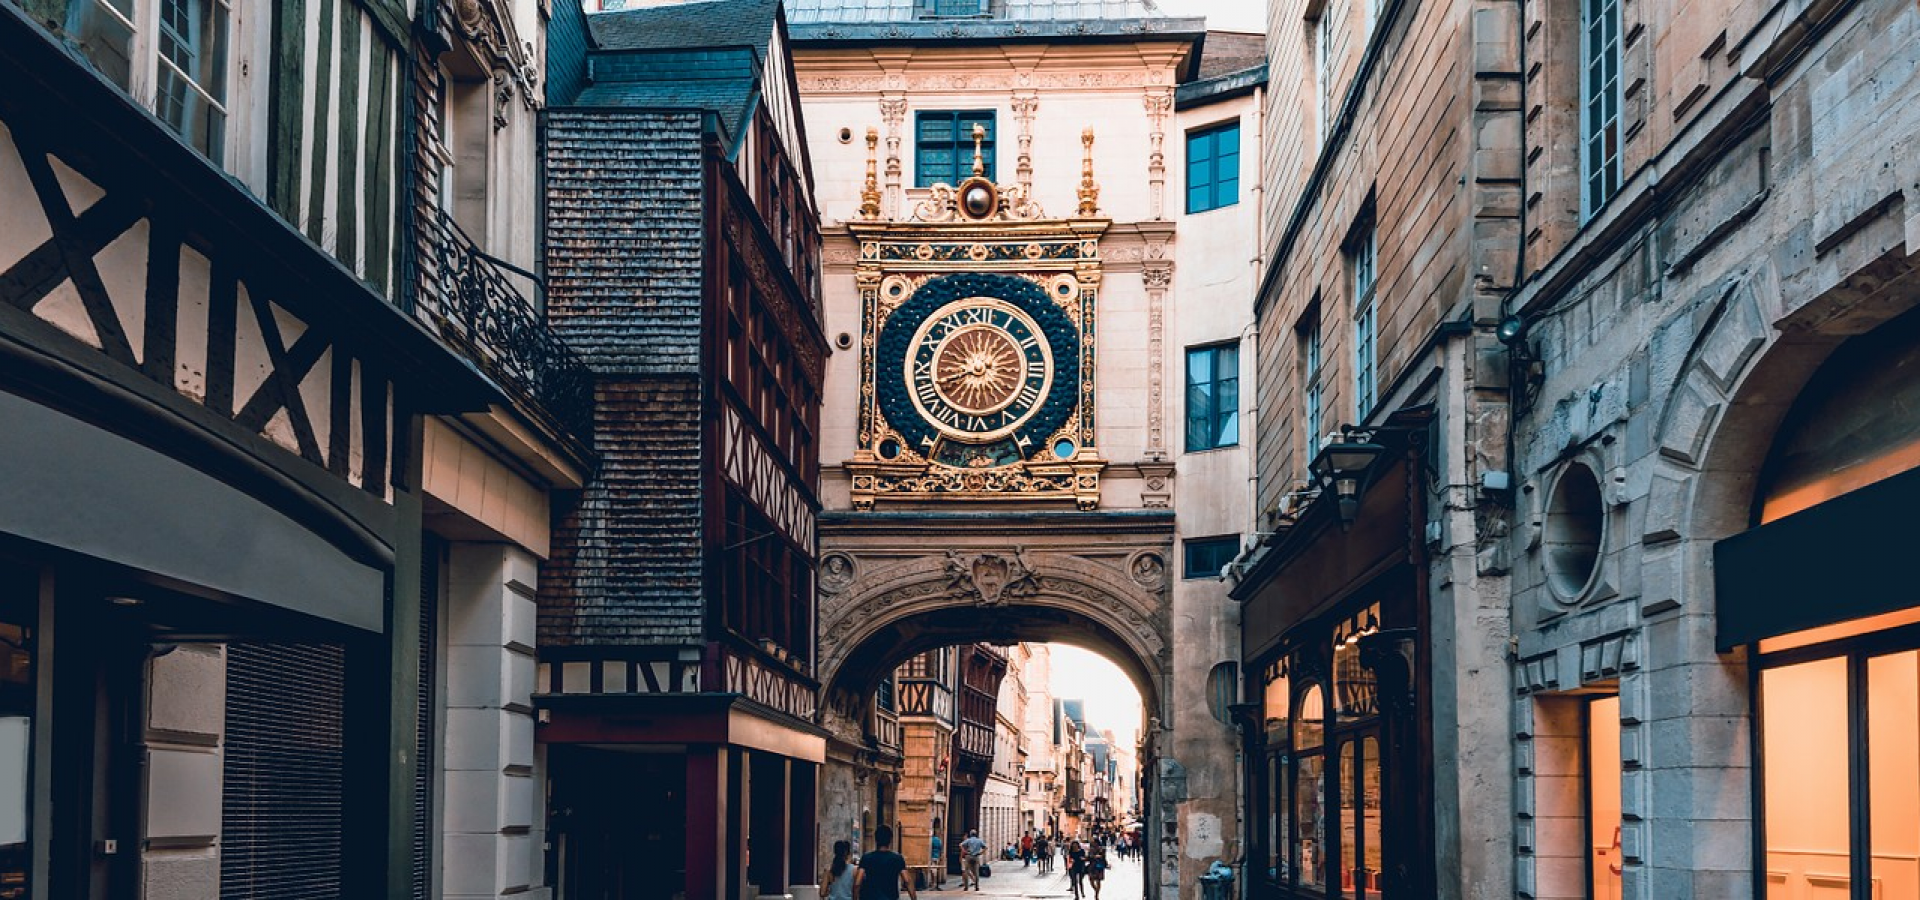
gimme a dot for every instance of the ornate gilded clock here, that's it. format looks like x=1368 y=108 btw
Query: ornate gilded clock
x=977 y=371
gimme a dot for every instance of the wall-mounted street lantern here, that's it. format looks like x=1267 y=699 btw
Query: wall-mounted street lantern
x=1341 y=468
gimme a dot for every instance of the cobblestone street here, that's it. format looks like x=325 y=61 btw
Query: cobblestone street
x=1009 y=879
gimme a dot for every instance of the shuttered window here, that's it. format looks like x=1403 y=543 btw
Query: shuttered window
x=281 y=814
x=943 y=146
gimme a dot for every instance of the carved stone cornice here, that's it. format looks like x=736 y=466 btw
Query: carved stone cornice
x=488 y=32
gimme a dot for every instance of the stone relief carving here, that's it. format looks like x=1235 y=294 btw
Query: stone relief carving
x=990 y=579
x=1148 y=570
x=837 y=572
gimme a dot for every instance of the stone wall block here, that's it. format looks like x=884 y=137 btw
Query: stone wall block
x=188 y=694
x=181 y=876
x=1633 y=743
x=184 y=790
x=1633 y=794
x=1496 y=33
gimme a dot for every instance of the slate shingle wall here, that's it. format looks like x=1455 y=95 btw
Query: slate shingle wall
x=626 y=563
x=624 y=195
x=623 y=238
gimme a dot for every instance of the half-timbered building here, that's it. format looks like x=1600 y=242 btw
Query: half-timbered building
x=277 y=435
x=676 y=679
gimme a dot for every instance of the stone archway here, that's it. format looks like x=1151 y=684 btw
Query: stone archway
x=896 y=585
x=1010 y=592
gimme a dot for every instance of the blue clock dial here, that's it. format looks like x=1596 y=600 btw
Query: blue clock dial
x=980 y=368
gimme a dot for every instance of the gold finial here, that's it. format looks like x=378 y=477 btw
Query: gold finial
x=870 y=194
x=1089 y=192
x=979 y=162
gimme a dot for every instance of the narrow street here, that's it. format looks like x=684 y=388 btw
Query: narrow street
x=1125 y=881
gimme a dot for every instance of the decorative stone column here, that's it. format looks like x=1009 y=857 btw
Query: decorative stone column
x=893 y=113
x=1159 y=103
x=490 y=834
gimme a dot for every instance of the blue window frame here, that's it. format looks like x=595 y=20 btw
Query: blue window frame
x=1213 y=167
x=1213 y=397
x=1600 y=101
x=1205 y=557
x=943 y=145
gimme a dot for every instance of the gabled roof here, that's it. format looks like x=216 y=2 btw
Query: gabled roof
x=683 y=26
x=709 y=56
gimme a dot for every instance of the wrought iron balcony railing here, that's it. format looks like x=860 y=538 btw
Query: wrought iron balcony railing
x=474 y=303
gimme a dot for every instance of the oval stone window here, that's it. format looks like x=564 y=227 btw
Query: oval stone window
x=1575 y=527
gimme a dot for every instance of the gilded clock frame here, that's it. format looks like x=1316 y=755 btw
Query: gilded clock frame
x=896 y=259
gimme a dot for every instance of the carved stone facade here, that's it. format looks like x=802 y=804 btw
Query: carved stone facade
x=1079 y=533
x=1673 y=352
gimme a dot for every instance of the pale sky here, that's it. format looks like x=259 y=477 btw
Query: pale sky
x=1222 y=15
x=1111 y=700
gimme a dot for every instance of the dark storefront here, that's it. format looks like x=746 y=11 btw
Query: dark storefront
x=1333 y=624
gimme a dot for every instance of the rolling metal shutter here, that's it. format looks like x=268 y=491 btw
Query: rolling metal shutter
x=432 y=552
x=281 y=814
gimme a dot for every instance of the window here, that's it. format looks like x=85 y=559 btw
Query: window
x=1213 y=167
x=943 y=146
x=1312 y=385
x=1323 y=73
x=1213 y=397
x=1308 y=854
x=953 y=9
x=1207 y=556
x=1360 y=267
x=1600 y=101
x=174 y=51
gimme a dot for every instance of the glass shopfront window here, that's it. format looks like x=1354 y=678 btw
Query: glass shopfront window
x=1321 y=827
x=1309 y=791
x=19 y=592
x=1840 y=790
x=1276 y=705
x=1803 y=711
x=1893 y=772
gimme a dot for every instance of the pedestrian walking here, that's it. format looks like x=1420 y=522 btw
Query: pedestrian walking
x=1097 y=868
x=971 y=850
x=883 y=872
x=1026 y=849
x=1077 y=867
x=838 y=878
x=1043 y=854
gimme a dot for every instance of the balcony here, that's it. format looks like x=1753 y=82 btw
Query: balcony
x=478 y=305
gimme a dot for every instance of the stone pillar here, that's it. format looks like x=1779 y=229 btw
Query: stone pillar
x=487 y=787
x=186 y=719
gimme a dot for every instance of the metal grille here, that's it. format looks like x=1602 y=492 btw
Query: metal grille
x=423 y=741
x=281 y=815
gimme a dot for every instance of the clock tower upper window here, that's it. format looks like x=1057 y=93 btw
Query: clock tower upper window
x=943 y=146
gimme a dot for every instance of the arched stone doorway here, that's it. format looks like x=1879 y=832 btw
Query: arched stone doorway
x=893 y=587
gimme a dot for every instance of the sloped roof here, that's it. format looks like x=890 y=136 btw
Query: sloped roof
x=706 y=56
x=719 y=81
x=873 y=11
x=1227 y=52
x=681 y=26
